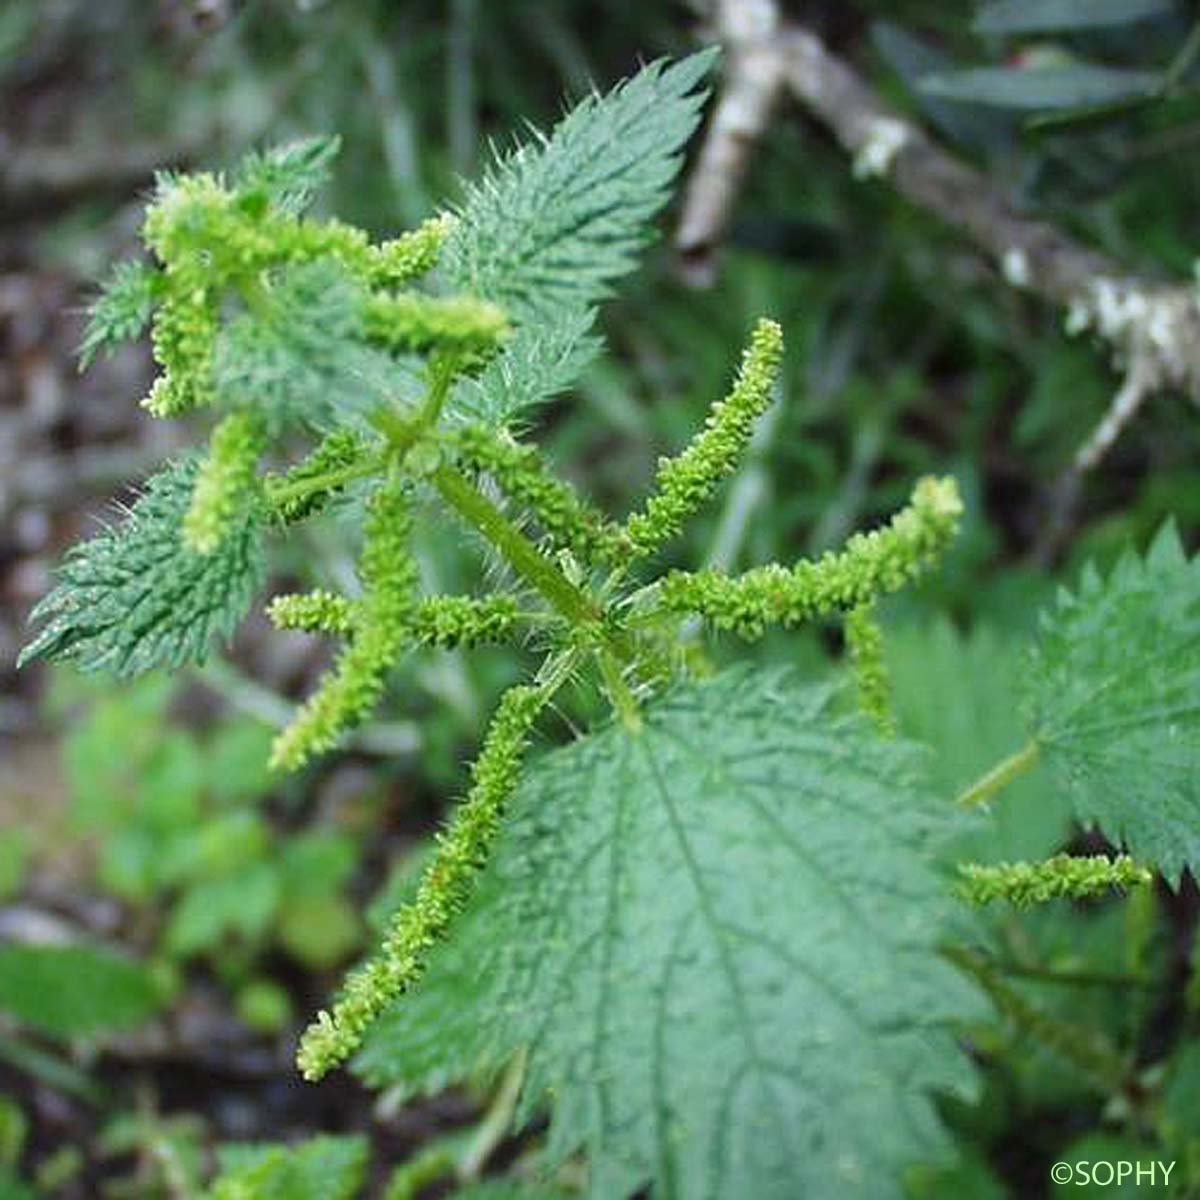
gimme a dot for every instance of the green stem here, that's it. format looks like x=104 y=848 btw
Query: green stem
x=1068 y=978
x=516 y=549
x=623 y=700
x=1001 y=775
x=325 y=482
x=442 y=370
x=1085 y=1047
x=496 y=1122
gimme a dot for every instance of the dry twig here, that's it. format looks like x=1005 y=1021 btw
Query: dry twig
x=1151 y=327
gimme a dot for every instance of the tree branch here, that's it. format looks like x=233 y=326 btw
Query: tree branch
x=1152 y=327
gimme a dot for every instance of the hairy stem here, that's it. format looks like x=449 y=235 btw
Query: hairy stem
x=288 y=492
x=515 y=548
x=1000 y=776
x=623 y=700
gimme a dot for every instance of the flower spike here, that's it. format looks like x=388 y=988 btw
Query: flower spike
x=348 y=692
x=687 y=481
x=870 y=565
x=570 y=522
x=864 y=643
x=1025 y=884
x=225 y=481
x=448 y=883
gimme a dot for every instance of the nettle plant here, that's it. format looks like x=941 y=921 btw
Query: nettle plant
x=714 y=934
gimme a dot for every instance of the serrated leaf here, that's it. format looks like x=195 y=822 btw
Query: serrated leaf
x=122 y=310
x=1115 y=688
x=323 y=1168
x=959 y=695
x=717 y=940
x=136 y=597
x=303 y=359
x=1033 y=89
x=75 y=990
x=557 y=220
x=288 y=176
x=1045 y=16
x=540 y=361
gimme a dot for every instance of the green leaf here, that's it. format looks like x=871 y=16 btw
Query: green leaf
x=1034 y=88
x=541 y=360
x=1115 y=687
x=75 y=991
x=970 y=1177
x=287 y=176
x=122 y=310
x=959 y=694
x=135 y=597
x=14 y=1129
x=236 y=755
x=1095 y=1160
x=554 y=222
x=13 y=1188
x=301 y=358
x=717 y=940
x=1045 y=16
x=323 y=1168
x=242 y=905
x=1181 y=1095
x=319 y=931
x=975 y=127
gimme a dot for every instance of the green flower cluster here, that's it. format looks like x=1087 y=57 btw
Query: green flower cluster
x=870 y=565
x=1026 y=884
x=318 y=611
x=436 y=621
x=864 y=644
x=216 y=241
x=685 y=482
x=445 y=888
x=306 y=488
x=226 y=482
x=569 y=521
x=408 y=321
x=349 y=691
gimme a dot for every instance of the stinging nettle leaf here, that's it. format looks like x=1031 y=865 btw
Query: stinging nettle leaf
x=718 y=940
x=1115 y=691
x=288 y=176
x=135 y=597
x=958 y=693
x=303 y=359
x=558 y=219
x=541 y=360
x=122 y=310
x=1046 y=16
x=1033 y=89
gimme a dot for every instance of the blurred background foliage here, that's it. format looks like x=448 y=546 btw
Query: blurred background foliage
x=214 y=905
